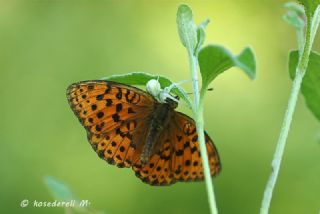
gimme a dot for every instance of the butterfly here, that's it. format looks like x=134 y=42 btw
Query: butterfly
x=128 y=127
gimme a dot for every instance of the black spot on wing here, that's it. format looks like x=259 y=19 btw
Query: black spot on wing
x=108 y=102
x=116 y=117
x=118 y=107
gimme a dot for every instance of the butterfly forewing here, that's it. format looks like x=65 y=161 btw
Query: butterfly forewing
x=102 y=105
x=114 y=116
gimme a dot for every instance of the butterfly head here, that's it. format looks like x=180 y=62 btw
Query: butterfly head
x=172 y=103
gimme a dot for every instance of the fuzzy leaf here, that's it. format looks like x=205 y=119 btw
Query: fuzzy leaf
x=310 y=6
x=310 y=87
x=315 y=23
x=214 y=59
x=295 y=15
x=186 y=27
x=201 y=35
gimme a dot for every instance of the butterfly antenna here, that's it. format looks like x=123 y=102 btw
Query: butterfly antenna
x=208 y=89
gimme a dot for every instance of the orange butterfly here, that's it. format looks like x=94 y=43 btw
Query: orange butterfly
x=128 y=127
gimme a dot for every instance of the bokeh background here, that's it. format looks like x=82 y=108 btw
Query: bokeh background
x=47 y=45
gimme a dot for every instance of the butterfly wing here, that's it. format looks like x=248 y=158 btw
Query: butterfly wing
x=178 y=157
x=186 y=160
x=158 y=171
x=114 y=116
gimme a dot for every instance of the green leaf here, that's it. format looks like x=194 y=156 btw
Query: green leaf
x=310 y=6
x=295 y=15
x=214 y=59
x=141 y=78
x=201 y=35
x=310 y=87
x=58 y=189
x=186 y=27
x=315 y=23
x=312 y=12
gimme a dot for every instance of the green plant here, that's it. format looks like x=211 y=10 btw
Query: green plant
x=212 y=61
x=303 y=65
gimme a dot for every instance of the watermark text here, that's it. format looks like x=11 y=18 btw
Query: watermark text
x=55 y=203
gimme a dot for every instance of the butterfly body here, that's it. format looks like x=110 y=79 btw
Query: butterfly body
x=159 y=120
x=128 y=127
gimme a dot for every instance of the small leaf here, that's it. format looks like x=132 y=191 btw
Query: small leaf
x=141 y=78
x=201 y=35
x=58 y=190
x=295 y=15
x=310 y=87
x=315 y=23
x=312 y=12
x=214 y=59
x=186 y=27
x=310 y=6
x=204 y=23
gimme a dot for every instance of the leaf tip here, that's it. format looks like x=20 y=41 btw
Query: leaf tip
x=185 y=11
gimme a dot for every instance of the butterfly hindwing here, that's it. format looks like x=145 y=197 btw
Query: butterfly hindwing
x=186 y=159
x=158 y=171
x=178 y=157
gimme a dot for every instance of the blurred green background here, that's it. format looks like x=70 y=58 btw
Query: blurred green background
x=47 y=45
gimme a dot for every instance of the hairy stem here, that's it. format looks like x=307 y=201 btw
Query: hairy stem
x=198 y=114
x=276 y=162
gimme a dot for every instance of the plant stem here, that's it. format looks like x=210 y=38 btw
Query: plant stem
x=276 y=162
x=193 y=62
x=198 y=114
